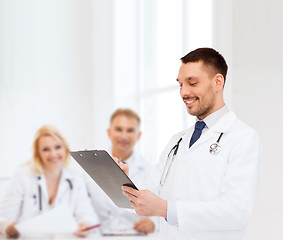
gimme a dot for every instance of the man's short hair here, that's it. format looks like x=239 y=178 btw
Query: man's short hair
x=210 y=58
x=125 y=112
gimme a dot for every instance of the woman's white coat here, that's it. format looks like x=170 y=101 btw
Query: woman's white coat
x=22 y=199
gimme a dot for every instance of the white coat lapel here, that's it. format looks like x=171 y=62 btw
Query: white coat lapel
x=224 y=123
x=64 y=185
x=222 y=126
x=42 y=190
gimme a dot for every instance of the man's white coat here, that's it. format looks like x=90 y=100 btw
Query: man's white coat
x=214 y=194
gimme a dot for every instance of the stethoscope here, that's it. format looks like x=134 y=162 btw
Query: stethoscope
x=170 y=158
x=215 y=148
x=40 y=191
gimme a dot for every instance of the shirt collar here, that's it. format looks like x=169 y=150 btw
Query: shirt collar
x=211 y=119
x=130 y=158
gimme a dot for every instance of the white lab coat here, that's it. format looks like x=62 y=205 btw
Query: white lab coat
x=214 y=194
x=21 y=200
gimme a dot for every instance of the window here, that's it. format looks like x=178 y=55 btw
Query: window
x=149 y=40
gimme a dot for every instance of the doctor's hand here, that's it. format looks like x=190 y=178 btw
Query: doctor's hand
x=144 y=225
x=80 y=233
x=145 y=202
x=11 y=231
x=123 y=166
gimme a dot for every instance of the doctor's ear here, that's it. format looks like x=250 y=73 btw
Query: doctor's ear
x=219 y=81
x=109 y=132
x=139 y=135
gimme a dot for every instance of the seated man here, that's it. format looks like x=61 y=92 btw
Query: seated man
x=124 y=132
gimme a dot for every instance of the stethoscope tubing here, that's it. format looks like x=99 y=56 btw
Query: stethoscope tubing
x=169 y=163
x=40 y=191
x=214 y=149
x=40 y=197
x=218 y=140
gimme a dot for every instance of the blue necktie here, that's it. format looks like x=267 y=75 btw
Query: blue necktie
x=197 y=132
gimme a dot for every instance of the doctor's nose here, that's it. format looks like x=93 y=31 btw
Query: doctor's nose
x=185 y=91
x=124 y=135
x=53 y=153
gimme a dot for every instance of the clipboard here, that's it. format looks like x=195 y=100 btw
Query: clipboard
x=103 y=169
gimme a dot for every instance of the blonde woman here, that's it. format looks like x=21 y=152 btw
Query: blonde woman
x=43 y=183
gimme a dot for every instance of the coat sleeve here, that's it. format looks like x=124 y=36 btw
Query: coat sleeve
x=11 y=202
x=233 y=206
x=83 y=211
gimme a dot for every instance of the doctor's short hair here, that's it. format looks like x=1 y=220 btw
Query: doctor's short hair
x=212 y=59
x=125 y=112
x=47 y=130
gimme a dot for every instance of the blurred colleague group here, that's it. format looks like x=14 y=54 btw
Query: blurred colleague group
x=52 y=178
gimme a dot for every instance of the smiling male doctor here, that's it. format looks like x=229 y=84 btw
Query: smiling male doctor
x=204 y=191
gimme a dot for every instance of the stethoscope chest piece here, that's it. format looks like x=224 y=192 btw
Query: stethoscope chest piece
x=214 y=148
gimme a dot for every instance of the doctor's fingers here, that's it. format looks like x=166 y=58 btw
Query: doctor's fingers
x=131 y=197
x=130 y=190
x=122 y=165
x=125 y=168
x=80 y=232
x=144 y=225
x=11 y=231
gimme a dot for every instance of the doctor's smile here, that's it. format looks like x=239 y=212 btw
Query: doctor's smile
x=189 y=101
x=123 y=143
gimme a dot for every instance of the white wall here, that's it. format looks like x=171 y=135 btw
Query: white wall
x=102 y=88
x=46 y=74
x=258 y=98
x=251 y=32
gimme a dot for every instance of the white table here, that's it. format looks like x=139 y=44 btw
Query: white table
x=93 y=236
